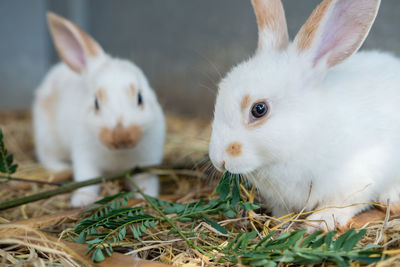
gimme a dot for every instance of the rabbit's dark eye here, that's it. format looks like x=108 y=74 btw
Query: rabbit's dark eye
x=259 y=110
x=96 y=104
x=140 y=99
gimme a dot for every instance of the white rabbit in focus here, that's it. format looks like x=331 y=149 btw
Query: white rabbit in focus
x=313 y=115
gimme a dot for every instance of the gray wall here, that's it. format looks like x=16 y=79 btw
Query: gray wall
x=23 y=51
x=183 y=46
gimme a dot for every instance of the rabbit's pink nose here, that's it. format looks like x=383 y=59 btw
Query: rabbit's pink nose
x=120 y=136
x=234 y=149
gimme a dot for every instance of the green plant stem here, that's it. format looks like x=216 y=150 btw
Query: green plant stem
x=61 y=190
x=154 y=206
x=75 y=185
x=10 y=178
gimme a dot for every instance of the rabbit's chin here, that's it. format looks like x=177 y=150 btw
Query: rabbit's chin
x=244 y=170
x=237 y=166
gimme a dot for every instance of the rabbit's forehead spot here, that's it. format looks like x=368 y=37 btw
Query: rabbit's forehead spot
x=133 y=92
x=101 y=95
x=132 y=89
x=245 y=102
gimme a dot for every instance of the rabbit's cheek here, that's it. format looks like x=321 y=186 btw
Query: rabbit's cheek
x=236 y=160
x=216 y=158
x=121 y=137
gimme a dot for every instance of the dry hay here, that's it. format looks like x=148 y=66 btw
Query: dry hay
x=35 y=234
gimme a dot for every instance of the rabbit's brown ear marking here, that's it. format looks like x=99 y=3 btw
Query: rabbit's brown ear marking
x=234 y=149
x=245 y=102
x=272 y=27
x=101 y=95
x=74 y=46
x=309 y=29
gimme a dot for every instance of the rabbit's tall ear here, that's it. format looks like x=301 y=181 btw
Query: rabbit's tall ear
x=272 y=27
x=336 y=30
x=75 y=47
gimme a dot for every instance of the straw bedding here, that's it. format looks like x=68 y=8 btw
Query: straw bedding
x=37 y=234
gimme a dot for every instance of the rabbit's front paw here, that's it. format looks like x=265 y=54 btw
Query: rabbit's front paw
x=83 y=198
x=148 y=183
x=327 y=220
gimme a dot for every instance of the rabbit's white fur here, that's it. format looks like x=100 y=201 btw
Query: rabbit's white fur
x=331 y=138
x=68 y=127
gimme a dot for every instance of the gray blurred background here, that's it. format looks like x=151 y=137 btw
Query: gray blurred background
x=182 y=45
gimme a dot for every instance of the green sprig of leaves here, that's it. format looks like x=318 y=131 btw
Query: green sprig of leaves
x=106 y=222
x=226 y=203
x=109 y=223
x=7 y=165
x=297 y=248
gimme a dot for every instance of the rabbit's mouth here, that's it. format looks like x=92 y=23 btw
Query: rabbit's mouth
x=121 y=137
x=235 y=167
x=233 y=160
x=241 y=171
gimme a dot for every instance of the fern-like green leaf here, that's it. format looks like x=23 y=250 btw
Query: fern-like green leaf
x=109 y=222
x=288 y=248
x=98 y=255
x=7 y=165
x=215 y=225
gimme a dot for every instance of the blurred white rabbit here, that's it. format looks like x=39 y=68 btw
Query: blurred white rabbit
x=311 y=115
x=97 y=113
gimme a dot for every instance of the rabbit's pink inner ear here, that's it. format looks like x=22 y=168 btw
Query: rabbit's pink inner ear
x=92 y=48
x=337 y=29
x=69 y=48
x=272 y=27
x=75 y=47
